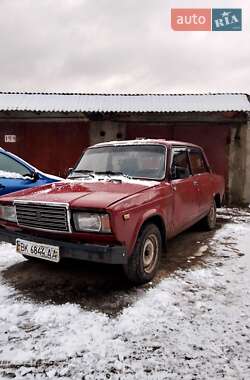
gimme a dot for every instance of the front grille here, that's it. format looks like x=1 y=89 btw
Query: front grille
x=42 y=216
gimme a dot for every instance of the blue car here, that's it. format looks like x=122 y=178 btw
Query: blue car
x=16 y=174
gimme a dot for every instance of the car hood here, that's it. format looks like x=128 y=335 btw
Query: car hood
x=92 y=194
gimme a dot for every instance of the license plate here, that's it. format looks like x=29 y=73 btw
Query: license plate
x=41 y=251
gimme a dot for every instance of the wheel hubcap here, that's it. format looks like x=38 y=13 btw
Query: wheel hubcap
x=150 y=253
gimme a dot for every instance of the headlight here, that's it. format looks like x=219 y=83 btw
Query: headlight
x=86 y=221
x=8 y=213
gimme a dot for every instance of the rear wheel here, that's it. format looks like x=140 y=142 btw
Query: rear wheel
x=144 y=261
x=209 y=222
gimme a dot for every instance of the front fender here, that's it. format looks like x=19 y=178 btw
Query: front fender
x=132 y=227
x=149 y=214
x=131 y=214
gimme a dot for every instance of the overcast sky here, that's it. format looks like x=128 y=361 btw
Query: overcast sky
x=118 y=46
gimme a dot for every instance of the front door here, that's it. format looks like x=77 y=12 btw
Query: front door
x=185 y=209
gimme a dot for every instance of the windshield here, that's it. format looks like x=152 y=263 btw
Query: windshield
x=136 y=161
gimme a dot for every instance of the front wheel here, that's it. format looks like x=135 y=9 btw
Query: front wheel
x=144 y=261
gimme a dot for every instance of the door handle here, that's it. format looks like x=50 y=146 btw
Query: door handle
x=196 y=183
x=2 y=186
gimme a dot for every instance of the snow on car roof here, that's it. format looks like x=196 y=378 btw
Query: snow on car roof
x=132 y=142
x=144 y=142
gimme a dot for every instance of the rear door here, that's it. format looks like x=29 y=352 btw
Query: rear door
x=201 y=179
x=185 y=209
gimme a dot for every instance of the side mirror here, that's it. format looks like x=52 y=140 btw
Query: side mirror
x=36 y=176
x=69 y=171
x=33 y=176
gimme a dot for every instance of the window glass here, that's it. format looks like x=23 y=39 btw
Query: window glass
x=137 y=161
x=180 y=165
x=9 y=165
x=94 y=160
x=198 y=164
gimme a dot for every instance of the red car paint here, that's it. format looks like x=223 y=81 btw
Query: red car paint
x=179 y=203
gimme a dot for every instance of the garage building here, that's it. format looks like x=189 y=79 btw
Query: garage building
x=50 y=130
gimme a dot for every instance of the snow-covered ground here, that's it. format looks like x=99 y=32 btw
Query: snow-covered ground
x=193 y=324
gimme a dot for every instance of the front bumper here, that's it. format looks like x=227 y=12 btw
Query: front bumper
x=81 y=251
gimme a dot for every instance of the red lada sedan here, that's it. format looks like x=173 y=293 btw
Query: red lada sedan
x=119 y=205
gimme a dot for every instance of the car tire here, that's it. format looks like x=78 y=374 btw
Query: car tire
x=209 y=222
x=144 y=261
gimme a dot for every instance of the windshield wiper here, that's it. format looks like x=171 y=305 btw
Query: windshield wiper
x=110 y=172
x=88 y=173
x=91 y=173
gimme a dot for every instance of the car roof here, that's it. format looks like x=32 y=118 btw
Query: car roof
x=145 y=142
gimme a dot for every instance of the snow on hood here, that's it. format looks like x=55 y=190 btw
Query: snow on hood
x=114 y=178
x=5 y=174
x=84 y=193
x=54 y=177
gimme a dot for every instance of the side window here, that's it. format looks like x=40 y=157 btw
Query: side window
x=198 y=164
x=180 y=165
x=9 y=166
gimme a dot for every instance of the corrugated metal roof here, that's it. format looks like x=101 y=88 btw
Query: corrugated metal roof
x=63 y=102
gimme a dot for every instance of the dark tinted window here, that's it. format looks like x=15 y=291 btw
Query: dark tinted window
x=180 y=165
x=198 y=164
x=8 y=164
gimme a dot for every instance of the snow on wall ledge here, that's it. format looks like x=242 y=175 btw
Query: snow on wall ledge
x=74 y=102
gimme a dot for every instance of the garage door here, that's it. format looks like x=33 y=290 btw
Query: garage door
x=51 y=146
